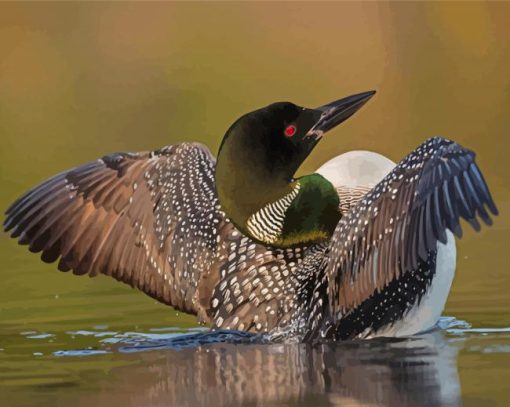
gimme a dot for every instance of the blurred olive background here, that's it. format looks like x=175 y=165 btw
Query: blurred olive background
x=79 y=80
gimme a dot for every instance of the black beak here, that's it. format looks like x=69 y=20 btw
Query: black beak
x=338 y=111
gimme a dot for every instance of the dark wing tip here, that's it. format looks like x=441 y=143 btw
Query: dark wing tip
x=10 y=214
x=466 y=195
x=6 y=223
x=12 y=206
x=492 y=206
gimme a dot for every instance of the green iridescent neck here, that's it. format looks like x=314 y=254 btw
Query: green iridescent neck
x=313 y=214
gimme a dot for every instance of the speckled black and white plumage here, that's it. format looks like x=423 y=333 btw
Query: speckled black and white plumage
x=403 y=218
x=153 y=220
x=257 y=290
x=384 y=308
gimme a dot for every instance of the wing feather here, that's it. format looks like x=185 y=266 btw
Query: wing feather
x=151 y=220
x=401 y=220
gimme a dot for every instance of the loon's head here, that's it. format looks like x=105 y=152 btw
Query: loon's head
x=262 y=150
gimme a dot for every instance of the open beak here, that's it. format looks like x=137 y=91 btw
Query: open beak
x=336 y=112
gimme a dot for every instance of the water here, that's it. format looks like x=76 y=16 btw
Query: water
x=164 y=367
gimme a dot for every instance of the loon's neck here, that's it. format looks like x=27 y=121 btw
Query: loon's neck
x=273 y=210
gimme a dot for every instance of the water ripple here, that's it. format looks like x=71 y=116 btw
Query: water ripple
x=177 y=338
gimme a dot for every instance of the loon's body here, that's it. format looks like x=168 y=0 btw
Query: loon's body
x=360 y=248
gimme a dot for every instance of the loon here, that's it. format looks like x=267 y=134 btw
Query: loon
x=360 y=248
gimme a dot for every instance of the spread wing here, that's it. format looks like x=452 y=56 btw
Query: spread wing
x=403 y=217
x=151 y=220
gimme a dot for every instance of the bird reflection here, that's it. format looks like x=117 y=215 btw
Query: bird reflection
x=416 y=371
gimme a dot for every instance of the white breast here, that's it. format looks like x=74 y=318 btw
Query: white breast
x=356 y=168
x=365 y=168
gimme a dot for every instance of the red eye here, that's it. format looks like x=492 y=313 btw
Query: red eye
x=290 y=130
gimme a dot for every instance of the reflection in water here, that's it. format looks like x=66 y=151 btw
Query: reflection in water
x=417 y=371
